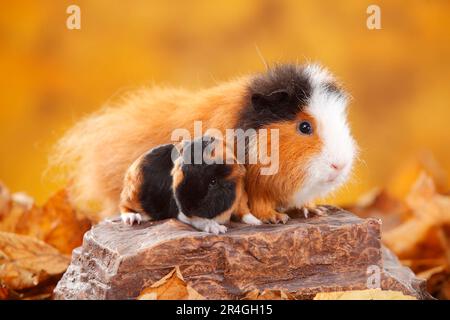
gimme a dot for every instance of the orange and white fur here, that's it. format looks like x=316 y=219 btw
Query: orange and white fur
x=312 y=163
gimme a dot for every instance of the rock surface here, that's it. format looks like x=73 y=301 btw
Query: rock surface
x=302 y=257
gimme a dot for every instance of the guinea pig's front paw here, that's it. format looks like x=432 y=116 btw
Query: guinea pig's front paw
x=275 y=217
x=249 y=218
x=213 y=227
x=130 y=218
x=203 y=224
x=315 y=210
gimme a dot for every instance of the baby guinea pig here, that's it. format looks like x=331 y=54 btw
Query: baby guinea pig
x=188 y=182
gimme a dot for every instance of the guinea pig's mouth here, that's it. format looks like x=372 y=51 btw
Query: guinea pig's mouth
x=192 y=208
x=336 y=177
x=189 y=209
x=332 y=178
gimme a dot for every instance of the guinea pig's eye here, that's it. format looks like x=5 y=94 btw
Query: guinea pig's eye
x=305 y=128
x=212 y=182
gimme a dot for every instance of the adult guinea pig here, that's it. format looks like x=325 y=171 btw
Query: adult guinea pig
x=302 y=102
x=166 y=182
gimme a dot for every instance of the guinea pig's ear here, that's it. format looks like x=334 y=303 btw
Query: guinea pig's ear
x=269 y=101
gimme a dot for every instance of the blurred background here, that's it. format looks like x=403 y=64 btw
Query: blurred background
x=398 y=76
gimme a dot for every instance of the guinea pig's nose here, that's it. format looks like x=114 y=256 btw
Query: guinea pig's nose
x=337 y=166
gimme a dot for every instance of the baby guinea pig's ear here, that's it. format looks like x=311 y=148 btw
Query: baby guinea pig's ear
x=177 y=152
x=209 y=139
x=270 y=101
x=223 y=146
x=180 y=146
x=212 y=147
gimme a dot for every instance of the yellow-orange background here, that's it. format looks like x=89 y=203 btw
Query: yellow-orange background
x=51 y=76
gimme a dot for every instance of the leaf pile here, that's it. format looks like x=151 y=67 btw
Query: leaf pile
x=173 y=287
x=416 y=227
x=36 y=243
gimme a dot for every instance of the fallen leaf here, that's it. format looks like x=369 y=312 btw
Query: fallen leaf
x=379 y=204
x=409 y=171
x=438 y=283
x=10 y=211
x=29 y=269
x=427 y=274
x=421 y=265
x=43 y=291
x=4 y=292
x=25 y=262
x=370 y=294
x=170 y=287
x=57 y=222
x=421 y=236
x=268 y=295
x=427 y=203
x=11 y=219
x=66 y=226
x=412 y=238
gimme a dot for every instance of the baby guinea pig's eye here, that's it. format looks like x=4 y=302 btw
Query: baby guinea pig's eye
x=212 y=182
x=305 y=127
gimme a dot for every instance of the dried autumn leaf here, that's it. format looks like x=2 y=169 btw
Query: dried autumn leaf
x=10 y=220
x=422 y=265
x=57 y=222
x=170 y=287
x=10 y=210
x=421 y=236
x=427 y=203
x=379 y=204
x=268 y=295
x=438 y=283
x=4 y=292
x=427 y=274
x=43 y=291
x=405 y=239
x=41 y=296
x=408 y=173
x=370 y=294
x=25 y=261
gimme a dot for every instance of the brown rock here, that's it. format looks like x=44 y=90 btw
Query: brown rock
x=301 y=258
